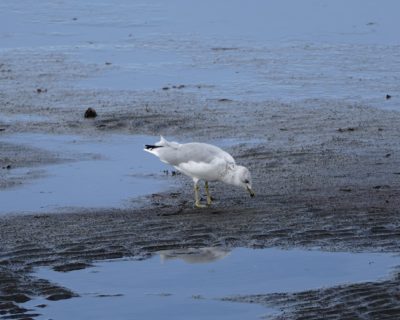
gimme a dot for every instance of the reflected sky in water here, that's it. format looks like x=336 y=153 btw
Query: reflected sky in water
x=103 y=172
x=183 y=285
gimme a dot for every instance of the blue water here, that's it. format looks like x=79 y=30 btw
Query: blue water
x=188 y=283
x=285 y=50
x=101 y=172
x=48 y=23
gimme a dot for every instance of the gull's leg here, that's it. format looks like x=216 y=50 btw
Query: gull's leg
x=196 y=195
x=208 y=194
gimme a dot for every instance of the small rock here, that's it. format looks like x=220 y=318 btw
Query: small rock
x=107 y=63
x=387 y=155
x=41 y=305
x=165 y=88
x=388 y=96
x=90 y=113
x=40 y=90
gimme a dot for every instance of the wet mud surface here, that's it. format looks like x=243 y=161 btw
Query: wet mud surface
x=319 y=185
x=326 y=174
x=370 y=300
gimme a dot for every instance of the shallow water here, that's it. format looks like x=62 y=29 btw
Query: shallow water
x=105 y=172
x=282 y=50
x=48 y=24
x=189 y=283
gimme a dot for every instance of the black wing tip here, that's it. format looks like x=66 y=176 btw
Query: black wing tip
x=151 y=147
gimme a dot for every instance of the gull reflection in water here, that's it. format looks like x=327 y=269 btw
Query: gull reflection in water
x=195 y=255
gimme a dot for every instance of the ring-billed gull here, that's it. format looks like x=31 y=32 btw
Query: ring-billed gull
x=202 y=161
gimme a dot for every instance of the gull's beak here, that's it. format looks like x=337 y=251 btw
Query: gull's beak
x=250 y=190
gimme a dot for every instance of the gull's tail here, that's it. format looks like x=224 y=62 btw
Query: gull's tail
x=159 y=144
x=162 y=143
x=154 y=148
x=149 y=147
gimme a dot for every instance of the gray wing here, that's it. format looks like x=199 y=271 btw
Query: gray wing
x=196 y=152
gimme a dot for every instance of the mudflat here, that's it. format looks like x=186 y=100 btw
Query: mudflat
x=323 y=148
x=326 y=175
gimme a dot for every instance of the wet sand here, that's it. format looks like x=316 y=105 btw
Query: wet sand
x=323 y=149
x=322 y=182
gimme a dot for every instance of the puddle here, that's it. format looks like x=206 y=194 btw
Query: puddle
x=105 y=172
x=187 y=284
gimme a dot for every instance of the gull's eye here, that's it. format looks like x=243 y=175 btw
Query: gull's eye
x=246 y=181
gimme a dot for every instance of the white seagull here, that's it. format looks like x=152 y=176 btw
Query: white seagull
x=202 y=161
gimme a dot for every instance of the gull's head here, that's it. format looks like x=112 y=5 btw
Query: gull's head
x=243 y=179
